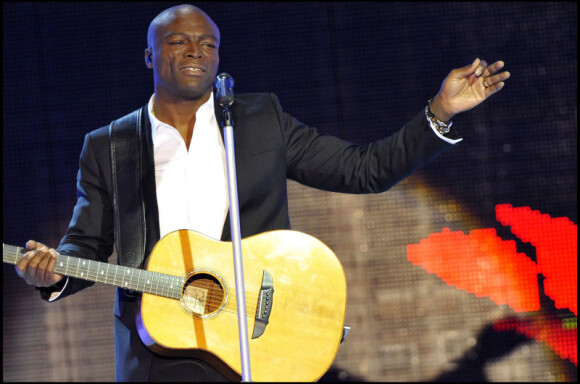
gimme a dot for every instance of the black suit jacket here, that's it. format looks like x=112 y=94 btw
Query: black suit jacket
x=270 y=147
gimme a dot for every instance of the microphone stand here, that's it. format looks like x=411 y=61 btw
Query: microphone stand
x=236 y=238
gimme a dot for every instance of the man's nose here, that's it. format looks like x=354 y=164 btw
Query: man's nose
x=193 y=50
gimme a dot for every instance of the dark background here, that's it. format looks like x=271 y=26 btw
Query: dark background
x=359 y=71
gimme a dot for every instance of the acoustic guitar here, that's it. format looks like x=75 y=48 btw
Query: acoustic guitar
x=295 y=291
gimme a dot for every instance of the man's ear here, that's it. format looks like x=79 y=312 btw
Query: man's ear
x=149 y=58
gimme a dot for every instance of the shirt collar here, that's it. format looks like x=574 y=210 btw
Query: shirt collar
x=207 y=109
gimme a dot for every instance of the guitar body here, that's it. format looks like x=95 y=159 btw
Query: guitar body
x=306 y=308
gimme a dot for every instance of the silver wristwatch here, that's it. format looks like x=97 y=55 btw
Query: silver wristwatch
x=436 y=124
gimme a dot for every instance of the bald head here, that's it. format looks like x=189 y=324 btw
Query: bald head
x=167 y=16
x=183 y=53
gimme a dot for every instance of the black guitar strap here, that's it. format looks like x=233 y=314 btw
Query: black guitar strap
x=125 y=137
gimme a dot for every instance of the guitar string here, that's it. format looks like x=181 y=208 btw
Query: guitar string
x=93 y=269
x=230 y=306
x=166 y=287
x=165 y=280
x=166 y=291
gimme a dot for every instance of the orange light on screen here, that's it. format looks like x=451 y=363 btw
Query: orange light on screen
x=480 y=263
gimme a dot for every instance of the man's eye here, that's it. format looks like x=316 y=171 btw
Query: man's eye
x=180 y=42
x=210 y=45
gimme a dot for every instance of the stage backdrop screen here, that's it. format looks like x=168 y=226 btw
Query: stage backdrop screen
x=464 y=271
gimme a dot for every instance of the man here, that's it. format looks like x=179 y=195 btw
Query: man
x=175 y=179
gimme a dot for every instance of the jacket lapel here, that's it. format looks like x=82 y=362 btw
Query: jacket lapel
x=148 y=186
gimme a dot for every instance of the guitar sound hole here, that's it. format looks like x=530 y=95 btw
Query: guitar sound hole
x=202 y=295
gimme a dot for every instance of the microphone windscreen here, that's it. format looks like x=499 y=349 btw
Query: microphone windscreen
x=224 y=84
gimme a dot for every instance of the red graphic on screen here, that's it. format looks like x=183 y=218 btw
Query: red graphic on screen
x=480 y=263
x=556 y=243
x=487 y=266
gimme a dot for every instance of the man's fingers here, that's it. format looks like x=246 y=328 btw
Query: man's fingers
x=47 y=265
x=495 y=83
x=493 y=68
x=37 y=266
x=495 y=88
x=39 y=255
x=42 y=269
x=499 y=78
x=473 y=71
x=480 y=68
x=477 y=69
x=19 y=272
x=468 y=69
x=31 y=268
x=50 y=275
x=22 y=264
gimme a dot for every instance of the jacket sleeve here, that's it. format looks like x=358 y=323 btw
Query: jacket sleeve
x=90 y=232
x=329 y=163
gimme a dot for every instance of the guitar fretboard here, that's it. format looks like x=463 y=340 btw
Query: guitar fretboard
x=141 y=280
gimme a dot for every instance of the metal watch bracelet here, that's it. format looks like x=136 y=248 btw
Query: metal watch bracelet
x=435 y=123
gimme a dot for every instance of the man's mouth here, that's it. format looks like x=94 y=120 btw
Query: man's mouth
x=192 y=69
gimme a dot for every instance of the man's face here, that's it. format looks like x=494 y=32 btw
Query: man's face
x=185 y=56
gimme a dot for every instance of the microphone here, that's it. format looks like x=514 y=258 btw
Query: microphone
x=224 y=84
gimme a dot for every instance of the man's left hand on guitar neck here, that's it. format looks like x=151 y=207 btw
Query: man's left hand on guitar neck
x=37 y=266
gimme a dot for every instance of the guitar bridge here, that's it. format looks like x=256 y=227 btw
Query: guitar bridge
x=265 y=300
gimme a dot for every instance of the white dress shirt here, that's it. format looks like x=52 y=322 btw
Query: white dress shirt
x=192 y=190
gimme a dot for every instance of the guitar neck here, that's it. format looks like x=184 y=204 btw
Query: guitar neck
x=140 y=280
